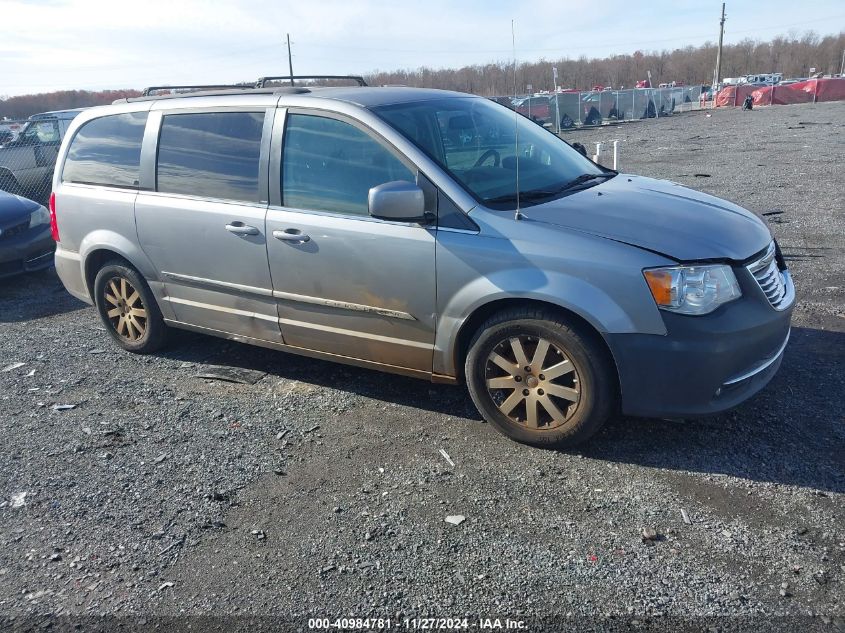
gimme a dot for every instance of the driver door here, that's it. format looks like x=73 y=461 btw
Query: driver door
x=347 y=284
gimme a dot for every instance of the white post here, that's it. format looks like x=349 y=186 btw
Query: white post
x=554 y=92
x=597 y=157
x=616 y=155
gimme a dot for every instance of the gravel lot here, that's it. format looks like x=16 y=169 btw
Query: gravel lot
x=321 y=490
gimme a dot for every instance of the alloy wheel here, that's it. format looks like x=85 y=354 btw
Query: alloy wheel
x=124 y=309
x=532 y=382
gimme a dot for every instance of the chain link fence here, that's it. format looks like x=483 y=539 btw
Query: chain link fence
x=28 y=152
x=576 y=109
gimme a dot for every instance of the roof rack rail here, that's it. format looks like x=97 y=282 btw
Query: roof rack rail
x=148 y=91
x=261 y=83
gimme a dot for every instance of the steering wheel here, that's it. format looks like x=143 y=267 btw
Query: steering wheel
x=490 y=152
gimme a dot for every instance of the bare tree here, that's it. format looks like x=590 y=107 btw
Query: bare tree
x=791 y=54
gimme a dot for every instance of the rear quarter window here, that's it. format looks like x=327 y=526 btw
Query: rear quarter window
x=107 y=151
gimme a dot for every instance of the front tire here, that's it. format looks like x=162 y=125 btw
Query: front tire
x=128 y=309
x=540 y=379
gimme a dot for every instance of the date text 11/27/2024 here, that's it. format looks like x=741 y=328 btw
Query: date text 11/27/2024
x=418 y=624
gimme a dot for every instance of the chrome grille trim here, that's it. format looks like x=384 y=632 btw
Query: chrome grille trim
x=775 y=283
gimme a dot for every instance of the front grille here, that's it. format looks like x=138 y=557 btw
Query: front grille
x=14 y=230
x=771 y=279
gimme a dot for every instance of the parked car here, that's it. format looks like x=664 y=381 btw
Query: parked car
x=25 y=242
x=27 y=161
x=537 y=108
x=9 y=130
x=344 y=224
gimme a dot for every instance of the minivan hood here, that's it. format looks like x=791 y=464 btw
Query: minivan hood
x=660 y=216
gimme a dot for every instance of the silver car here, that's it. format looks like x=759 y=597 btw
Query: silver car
x=421 y=232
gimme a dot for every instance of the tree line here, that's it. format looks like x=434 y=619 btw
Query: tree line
x=25 y=105
x=793 y=55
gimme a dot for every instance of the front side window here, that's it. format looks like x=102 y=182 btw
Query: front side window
x=107 y=151
x=330 y=165
x=210 y=154
x=478 y=142
x=42 y=132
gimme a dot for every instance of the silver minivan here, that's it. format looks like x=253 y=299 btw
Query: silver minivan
x=421 y=232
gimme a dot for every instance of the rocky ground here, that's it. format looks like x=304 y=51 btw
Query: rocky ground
x=131 y=486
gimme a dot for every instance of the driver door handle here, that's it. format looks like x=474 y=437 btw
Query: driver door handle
x=291 y=235
x=239 y=228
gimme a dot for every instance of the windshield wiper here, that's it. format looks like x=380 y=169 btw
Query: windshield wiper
x=580 y=180
x=536 y=194
x=531 y=194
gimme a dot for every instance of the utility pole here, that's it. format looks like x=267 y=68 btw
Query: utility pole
x=842 y=65
x=290 y=59
x=719 y=54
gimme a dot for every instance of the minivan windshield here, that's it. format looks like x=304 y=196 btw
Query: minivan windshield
x=475 y=140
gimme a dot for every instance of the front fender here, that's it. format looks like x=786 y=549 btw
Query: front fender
x=598 y=308
x=599 y=280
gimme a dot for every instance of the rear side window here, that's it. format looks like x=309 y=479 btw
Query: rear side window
x=210 y=154
x=107 y=151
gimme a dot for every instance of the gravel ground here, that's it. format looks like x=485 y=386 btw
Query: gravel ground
x=321 y=490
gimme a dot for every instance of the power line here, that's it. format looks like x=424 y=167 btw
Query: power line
x=567 y=48
x=234 y=63
x=450 y=51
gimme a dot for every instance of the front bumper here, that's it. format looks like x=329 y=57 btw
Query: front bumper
x=26 y=252
x=706 y=364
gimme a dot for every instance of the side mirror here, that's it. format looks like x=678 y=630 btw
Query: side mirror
x=398 y=200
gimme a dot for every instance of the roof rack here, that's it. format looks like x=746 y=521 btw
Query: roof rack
x=261 y=83
x=148 y=91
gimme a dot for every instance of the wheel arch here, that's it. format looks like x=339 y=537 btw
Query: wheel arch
x=100 y=246
x=473 y=322
x=95 y=260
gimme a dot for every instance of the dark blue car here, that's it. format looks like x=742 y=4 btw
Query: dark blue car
x=25 y=241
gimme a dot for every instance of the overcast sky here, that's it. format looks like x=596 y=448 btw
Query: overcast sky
x=95 y=44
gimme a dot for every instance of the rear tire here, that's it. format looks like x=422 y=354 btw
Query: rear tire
x=128 y=309
x=540 y=379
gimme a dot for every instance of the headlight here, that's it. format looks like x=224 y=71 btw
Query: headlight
x=39 y=216
x=692 y=289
